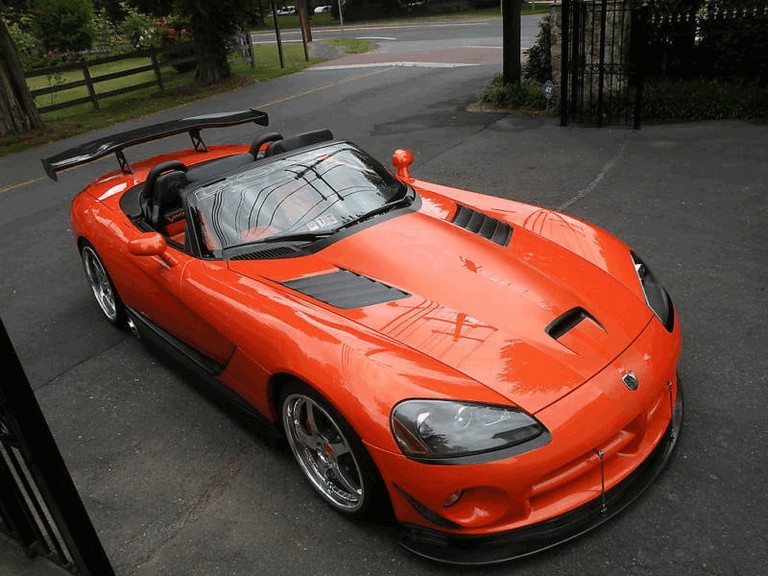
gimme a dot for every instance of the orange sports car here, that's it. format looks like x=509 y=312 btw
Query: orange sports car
x=501 y=377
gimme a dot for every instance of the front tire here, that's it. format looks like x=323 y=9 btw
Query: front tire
x=330 y=454
x=102 y=287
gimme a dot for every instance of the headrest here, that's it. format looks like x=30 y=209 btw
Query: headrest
x=167 y=186
x=258 y=148
x=157 y=170
x=299 y=141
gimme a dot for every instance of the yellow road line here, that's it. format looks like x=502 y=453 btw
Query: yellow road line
x=20 y=184
x=319 y=88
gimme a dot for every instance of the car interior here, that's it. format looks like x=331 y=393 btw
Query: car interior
x=159 y=199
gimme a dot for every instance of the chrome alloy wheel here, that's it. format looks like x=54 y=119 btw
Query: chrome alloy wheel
x=101 y=285
x=323 y=452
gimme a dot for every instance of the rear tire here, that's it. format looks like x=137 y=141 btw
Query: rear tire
x=103 y=289
x=330 y=454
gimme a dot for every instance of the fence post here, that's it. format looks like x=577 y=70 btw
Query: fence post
x=251 y=55
x=601 y=63
x=156 y=67
x=89 y=84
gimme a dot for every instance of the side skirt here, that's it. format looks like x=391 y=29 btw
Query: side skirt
x=172 y=345
x=190 y=360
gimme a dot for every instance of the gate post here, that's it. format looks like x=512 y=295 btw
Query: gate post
x=638 y=40
x=565 y=26
x=594 y=63
x=49 y=518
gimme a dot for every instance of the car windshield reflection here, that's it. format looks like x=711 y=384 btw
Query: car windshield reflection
x=303 y=196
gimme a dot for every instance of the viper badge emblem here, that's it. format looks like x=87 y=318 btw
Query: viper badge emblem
x=630 y=380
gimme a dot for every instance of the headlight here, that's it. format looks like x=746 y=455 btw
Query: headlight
x=655 y=295
x=438 y=429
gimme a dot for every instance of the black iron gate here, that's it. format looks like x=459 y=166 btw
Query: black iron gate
x=601 y=77
x=39 y=505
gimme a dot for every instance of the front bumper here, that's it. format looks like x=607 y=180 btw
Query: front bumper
x=454 y=548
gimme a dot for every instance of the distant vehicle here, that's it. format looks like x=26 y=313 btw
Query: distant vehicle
x=286 y=11
x=322 y=9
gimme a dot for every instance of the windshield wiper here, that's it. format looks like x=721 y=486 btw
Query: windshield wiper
x=295 y=236
x=290 y=237
x=404 y=200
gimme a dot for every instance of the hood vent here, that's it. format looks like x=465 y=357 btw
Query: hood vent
x=482 y=224
x=344 y=289
x=567 y=321
x=268 y=254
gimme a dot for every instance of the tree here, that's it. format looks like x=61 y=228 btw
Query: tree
x=17 y=108
x=213 y=24
x=510 y=13
x=64 y=25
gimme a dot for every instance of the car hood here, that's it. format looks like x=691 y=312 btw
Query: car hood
x=530 y=320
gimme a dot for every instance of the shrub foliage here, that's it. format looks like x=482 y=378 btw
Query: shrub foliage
x=63 y=26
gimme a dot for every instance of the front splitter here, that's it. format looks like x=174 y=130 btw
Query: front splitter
x=472 y=549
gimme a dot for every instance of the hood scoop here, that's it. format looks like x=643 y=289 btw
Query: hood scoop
x=345 y=289
x=567 y=321
x=486 y=226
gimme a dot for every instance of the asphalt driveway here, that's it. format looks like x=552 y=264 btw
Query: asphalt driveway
x=178 y=484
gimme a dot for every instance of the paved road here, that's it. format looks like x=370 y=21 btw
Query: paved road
x=460 y=40
x=178 y=484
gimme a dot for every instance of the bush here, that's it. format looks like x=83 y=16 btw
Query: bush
x=523 y=96
x=538 y=66
x=730 y=46
x=688 y=100
x=170 y=34
x=28 y=47
x=106 y=37
x=63 y=25
x=140 y=29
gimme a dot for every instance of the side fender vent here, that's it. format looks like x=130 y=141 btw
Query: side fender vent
x=268 y=254
x=486 y=226
x=344 y=289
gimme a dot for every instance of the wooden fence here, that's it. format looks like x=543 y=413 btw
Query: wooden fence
x=90 y=81
x=243 y=47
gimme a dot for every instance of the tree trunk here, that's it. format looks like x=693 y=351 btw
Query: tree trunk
x=510 y=23
x=17 y=108
x=212 y=63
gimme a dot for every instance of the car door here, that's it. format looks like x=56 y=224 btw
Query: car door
x=157 y=294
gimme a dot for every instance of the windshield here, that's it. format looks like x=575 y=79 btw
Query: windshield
x=314 y=192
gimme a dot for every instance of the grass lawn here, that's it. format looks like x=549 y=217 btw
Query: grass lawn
x=95 y=72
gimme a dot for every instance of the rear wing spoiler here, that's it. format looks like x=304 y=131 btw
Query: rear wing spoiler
x=101 y=147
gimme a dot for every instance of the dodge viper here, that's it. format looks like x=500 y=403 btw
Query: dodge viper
x=499 y=376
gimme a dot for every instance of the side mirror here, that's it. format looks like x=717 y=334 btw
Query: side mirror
x=402 y=160
x=151 y=244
